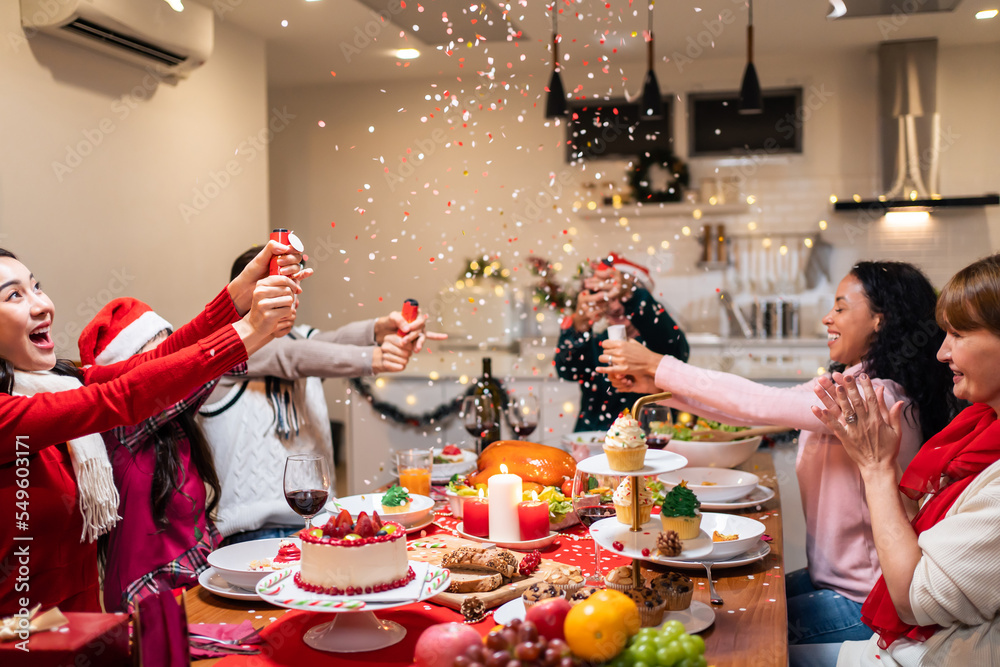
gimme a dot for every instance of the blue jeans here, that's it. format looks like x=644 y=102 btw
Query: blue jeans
x=260 y=534
x=819 y=615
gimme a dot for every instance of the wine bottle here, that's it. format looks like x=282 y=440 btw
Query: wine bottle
x=489 y=389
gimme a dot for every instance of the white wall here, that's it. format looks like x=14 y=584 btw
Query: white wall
x=109 y=222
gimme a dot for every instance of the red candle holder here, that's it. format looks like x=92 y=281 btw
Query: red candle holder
x=476 y=516
x=533 y=518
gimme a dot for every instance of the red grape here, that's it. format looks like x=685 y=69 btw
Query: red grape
x=527 y=651
x=495 y=641
x=497 y=659
x=528 y=632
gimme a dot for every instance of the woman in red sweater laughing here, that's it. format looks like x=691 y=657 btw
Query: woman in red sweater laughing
x=56 y=487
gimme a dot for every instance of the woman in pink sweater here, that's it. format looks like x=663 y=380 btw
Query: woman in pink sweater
x=55 y=476
x=882 y=323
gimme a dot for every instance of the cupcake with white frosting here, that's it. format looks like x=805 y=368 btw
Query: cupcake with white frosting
x=625 y=444
x=622 y=499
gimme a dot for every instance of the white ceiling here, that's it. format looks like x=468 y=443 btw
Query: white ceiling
x=328 y=36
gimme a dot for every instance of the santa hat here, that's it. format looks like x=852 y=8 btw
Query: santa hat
x=118 y=331
x=639 y=272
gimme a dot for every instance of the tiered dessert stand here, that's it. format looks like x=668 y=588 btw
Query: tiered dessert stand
x=355 y=627
x=633 y=540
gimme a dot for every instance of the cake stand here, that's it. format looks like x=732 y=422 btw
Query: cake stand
x=355 y=627
x=656 y=462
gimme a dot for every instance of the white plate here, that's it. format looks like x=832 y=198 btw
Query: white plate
x=508 y=611
x=758 y=552
x=280 y=589
x=369 y=502
x=608 y=531
x=442 y=472
x=713 y=485
x=656 y=462
x=525 y=545
x=695 y=618
x=585 y=438
x=758 y=496
x=212 y=581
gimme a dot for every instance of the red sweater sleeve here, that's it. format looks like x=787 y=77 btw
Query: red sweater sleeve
x=53 y=418
x=218 y=313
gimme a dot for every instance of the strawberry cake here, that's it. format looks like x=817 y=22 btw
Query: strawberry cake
x=347 y=557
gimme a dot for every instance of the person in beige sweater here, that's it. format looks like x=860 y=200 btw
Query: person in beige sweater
x=937 y=601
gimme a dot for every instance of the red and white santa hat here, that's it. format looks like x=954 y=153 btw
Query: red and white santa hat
x=121 y=328
x=639 y=272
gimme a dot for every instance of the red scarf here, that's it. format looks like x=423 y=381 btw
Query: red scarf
x=943 y=468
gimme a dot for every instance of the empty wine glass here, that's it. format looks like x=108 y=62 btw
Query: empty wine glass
x=522 y=412
x=592 y=501
x=479 y=417
x=306 y=484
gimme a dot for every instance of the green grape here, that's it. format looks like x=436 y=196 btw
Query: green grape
x=672 y=630
x=699 y=662
x=685 y=662
x=646 y=634
x=698 y=642
x=642 y=664
x=669 y=655
x=645 y=652
x=692 y=648
x=619 y=661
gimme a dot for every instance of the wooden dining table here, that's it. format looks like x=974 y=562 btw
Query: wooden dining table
x=750 y=627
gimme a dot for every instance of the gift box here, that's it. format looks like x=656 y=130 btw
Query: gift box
x=88 y=639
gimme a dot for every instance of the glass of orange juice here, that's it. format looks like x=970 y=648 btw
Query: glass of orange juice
x=414 y=468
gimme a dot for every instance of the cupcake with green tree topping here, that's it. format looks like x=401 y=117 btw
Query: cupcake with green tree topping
x=396 y=500
x=679 y=512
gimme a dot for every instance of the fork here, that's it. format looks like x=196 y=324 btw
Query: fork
x=713 y=594
x=214 y=640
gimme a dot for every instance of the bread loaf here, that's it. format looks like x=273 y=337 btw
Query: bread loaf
x=474 y=582
x=474 y=559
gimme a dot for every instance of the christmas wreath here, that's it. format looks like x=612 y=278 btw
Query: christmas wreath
x=643 y=187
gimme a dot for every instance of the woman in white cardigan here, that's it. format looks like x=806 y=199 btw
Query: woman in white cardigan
x=937 y=602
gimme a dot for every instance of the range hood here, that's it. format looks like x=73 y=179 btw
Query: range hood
x=910 y=134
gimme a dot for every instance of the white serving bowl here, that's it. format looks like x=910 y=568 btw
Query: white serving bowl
x=748 y=529
x=233 y=562
x=713 y=485
x=702 y=454
x=584 y=444
x=442 y=472
x=457 y=502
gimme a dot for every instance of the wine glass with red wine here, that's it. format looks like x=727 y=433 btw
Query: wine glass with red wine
x=307 y=484
x=522 y=411
x=592 y=502
x=657 y=424
x=479 y=418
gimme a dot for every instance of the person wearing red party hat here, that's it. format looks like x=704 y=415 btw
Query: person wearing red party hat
x=162 y=469
x=618 y=292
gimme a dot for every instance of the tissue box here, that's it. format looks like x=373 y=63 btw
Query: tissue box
x=88 y=641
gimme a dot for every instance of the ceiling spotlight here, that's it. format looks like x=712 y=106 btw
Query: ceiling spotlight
x=652 y=101
x=402 y=54
x=555 y=105
x=987 y=14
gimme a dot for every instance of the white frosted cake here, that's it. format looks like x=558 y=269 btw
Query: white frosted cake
x=344 y=558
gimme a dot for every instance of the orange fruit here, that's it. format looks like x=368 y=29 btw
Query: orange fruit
x=598 y=628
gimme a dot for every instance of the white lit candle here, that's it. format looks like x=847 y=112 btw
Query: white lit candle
x=504 y=496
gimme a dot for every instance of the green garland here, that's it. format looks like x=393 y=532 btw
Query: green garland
x=645 y=191
x=443 y=412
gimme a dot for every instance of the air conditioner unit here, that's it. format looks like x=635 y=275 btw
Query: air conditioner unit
x=149 y=33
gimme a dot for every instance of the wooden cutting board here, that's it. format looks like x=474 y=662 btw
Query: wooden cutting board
x=421 y=550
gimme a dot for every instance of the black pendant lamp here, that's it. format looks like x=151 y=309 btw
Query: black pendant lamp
x=652 y=102
x=555 y=105
x=750 y=100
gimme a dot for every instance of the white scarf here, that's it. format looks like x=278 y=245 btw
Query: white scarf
x=95 y=481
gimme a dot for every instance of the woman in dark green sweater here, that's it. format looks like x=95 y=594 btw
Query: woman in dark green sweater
x=618 y=292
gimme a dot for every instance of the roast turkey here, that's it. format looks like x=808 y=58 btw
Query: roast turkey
x=530 y=461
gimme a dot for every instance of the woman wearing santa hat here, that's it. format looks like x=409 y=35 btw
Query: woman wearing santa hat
x=162 y=469
x=54 y=468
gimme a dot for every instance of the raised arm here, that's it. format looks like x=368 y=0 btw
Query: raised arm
x=657 y=328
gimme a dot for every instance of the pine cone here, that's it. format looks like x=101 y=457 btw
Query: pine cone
x=473 y=609
x=668 y=544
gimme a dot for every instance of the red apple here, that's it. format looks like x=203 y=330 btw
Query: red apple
x=549 y=616
x=440 y=644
